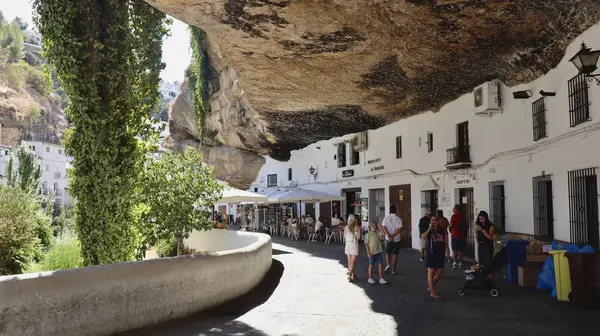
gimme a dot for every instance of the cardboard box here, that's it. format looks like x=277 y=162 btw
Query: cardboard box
x=528 y=273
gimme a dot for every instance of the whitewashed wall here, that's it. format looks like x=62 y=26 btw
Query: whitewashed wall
x=502 y=149
x=53 y=161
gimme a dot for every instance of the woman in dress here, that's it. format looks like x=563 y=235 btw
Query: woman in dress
x=485 y=240
x=352 y=236
x=435 y=254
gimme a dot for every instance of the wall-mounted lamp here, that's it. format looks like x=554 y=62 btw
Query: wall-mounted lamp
x=586 y=62
x=313 y=172
x=547 y=94
x=524 y=94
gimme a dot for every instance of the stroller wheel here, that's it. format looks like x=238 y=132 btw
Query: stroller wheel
x=494 y=292
x=462 y=292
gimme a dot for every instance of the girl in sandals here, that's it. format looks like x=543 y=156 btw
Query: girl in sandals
x=352 y=236
x=435 y=254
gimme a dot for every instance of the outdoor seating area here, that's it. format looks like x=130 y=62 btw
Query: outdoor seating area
x=284 y=213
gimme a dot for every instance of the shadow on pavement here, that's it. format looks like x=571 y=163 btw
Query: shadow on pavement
x=220 y=320
x=278 y=252
x=515 y=311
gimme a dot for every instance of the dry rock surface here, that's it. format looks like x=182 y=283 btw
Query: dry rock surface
x=287 y=73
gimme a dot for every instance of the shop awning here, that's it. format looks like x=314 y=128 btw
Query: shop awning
x=430 y=184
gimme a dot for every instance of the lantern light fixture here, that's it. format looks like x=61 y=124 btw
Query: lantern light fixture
x=586 y=62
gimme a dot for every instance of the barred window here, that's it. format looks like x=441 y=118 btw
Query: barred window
x=538 y=111
x=579 y=105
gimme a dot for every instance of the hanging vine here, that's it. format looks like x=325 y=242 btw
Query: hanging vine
x=107 y=54
x=197 y=74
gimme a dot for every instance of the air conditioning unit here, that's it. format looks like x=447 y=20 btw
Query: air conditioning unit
x=361 y=142
x=487 y=98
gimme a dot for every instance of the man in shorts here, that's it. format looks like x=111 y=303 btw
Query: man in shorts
x=392 y=225
x=458 y=234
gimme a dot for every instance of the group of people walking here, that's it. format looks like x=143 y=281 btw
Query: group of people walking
x=434 y=232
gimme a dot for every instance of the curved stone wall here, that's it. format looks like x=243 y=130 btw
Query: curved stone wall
x=106 y=299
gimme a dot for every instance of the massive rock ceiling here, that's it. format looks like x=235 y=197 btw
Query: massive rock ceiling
x=287 y=73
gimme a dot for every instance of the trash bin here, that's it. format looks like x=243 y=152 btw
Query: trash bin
x=517 y=255
x=562 y=275
x=583 y=279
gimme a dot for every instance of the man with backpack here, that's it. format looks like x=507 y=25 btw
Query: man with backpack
x=458 y=233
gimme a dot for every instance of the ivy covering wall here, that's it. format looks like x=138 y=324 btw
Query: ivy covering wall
x=107 y=54
x=197 y=74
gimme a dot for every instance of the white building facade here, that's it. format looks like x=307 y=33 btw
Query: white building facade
x=54 y=163
x=531 y=163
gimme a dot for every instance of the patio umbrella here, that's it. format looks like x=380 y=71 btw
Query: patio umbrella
x=303 y=195
x=232 y=195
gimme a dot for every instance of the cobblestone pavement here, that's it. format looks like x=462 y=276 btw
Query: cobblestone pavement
x=313 y=298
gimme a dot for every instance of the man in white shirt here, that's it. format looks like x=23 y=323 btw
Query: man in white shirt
x=392 y=225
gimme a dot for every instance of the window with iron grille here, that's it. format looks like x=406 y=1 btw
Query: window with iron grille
x=579 y=105
x=272 y=180
x=341 y=155
x=498 y=205
x=398 y=147
x=429 y=201
x=538 y=111
x=543 y=208
x=583 y=207
x=429 y=142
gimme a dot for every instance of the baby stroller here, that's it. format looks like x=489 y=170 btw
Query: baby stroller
x=479 y=279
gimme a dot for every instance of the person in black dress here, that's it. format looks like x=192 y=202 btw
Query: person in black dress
x=435 y=254
x=485 y=240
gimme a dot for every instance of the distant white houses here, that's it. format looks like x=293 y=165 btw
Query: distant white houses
x=54 y=163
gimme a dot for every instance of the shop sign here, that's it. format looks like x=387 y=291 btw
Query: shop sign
x=348 y=173
x=377 y=168
x=374 y=161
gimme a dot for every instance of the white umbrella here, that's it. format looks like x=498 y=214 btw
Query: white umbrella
x=303 y=195
x=232 y=195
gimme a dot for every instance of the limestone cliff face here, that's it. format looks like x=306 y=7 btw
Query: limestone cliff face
x=292 y=72
x=27 y=115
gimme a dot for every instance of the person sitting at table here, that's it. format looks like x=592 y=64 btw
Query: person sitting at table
x=336 y=222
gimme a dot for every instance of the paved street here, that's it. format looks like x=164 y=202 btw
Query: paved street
x=306 y=293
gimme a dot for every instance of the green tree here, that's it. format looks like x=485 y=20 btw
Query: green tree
x=107 y=54
x=179 y=191
x=27 y=174
x=19 y=229
x=197 y=74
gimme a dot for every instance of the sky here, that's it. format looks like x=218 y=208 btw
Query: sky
x=176 y=51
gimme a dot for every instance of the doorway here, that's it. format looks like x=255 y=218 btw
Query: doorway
x=498 y=205
x=543 y=208
x=401 y=199
x=353 y=205
x=429 y=202
x=325 y=211
x=309 y=209
x=583 y=207
x=377 y=205
x=467 y=208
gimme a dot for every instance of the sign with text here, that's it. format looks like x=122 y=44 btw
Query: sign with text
x=348 y=173
x=377 y=168
x=374 y=161
x=445 y=200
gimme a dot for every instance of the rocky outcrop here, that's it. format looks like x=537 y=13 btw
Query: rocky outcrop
x=292 y=72
x=27 y=115
x=237 y=166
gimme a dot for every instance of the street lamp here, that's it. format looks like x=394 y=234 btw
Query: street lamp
x=586 y=62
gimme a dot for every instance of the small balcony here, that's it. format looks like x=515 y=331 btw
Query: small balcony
x=458 y=157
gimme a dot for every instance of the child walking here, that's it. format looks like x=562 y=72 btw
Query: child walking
x=374 y=250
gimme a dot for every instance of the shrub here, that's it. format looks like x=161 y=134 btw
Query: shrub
x=19 y=240
x=167 y=247
x=65 y=253
x=14 y=75
x=35 y=114
x=38 y=81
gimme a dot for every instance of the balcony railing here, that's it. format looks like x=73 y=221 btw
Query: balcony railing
x=458 y=157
